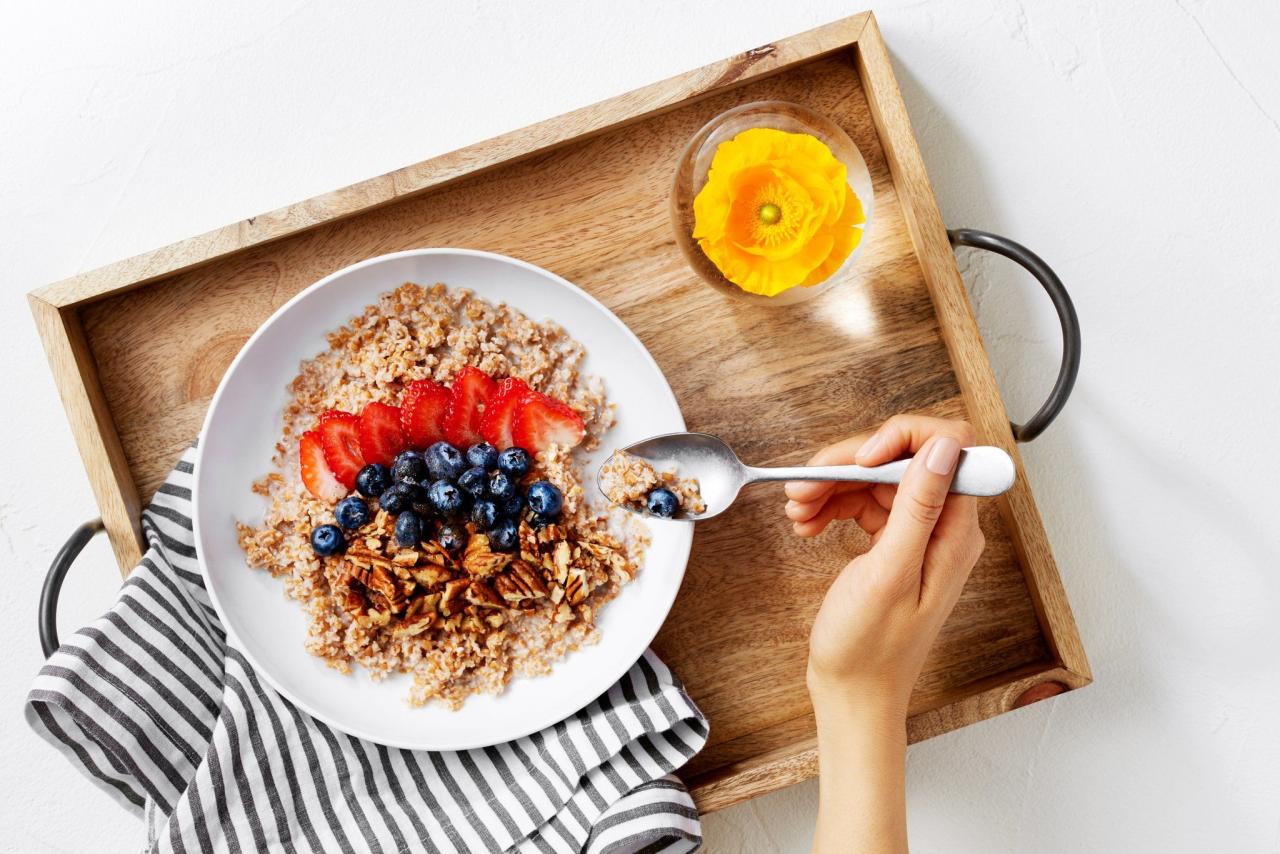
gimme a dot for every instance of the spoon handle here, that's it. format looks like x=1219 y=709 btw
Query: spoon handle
x=982 y=470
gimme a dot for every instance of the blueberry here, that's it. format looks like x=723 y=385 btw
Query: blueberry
x=423 y=507
x=483 y=455
x=445 y=497
x=327 y=540
x=398 y=497
x=373 y=480
x=474 y=481
x=536 y=521
x=409 y=466
x=501 y=486
x=352 y=512
x=484 y=513
x=510 y=509
x=515 y=462
x=445 y=462
x=504 y=536
x=409 y=529
x=545 y=499
x=662 y=502
x=452 y=537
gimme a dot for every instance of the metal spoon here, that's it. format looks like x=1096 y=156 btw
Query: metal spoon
x=721 y=475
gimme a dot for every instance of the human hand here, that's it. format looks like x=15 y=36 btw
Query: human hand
x=883 y=612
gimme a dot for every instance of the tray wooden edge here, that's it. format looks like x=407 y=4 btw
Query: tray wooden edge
x=964 y=344
x=76 y=376
x=992 y=696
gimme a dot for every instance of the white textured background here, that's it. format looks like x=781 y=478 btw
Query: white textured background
x=1135 y=145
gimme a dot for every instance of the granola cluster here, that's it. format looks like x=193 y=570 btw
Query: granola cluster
x=462 y=623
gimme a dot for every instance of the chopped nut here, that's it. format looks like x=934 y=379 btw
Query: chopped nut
x=374 y=618
x=482 y=596
x=430 y=574
x=576 y=589
x=519 y=583
x=453 y=599
x=562 y=558
x=353 y=602
x=481 y=561
x=380 y=580
x=436 y=553
x=413 y=628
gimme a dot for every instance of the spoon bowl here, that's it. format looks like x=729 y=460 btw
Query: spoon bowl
x=701 y=456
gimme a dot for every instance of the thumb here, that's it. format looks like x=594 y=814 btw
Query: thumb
x=918 y=502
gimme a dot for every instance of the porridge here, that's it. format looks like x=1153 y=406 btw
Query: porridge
x=425 y=506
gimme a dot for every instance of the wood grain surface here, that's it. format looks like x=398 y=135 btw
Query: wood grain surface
x=591 y=205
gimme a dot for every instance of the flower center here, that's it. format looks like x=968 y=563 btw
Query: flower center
x=770 y=213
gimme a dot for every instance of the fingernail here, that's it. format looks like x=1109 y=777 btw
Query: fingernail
x=869 y=446
x=791 y=505
x=943 y=455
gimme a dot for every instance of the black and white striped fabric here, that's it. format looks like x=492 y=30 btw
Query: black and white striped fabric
x=153 y=704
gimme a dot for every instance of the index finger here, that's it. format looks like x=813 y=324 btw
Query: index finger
x=907 y=434
x=840 y=454
x=919 y=504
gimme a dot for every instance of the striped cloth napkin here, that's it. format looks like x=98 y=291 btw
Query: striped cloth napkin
x=154 y=705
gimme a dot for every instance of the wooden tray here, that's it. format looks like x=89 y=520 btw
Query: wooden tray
x=138 y=347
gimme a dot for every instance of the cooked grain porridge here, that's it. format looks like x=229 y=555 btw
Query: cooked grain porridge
x=462 y=562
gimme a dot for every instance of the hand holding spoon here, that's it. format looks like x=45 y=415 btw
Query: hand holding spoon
x=982 y=470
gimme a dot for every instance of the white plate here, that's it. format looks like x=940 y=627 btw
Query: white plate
x=237 y=443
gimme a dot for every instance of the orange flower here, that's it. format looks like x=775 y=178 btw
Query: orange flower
x=776 y=212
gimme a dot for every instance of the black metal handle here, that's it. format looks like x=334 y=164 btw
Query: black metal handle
x=48 y=616
x=1057 y=292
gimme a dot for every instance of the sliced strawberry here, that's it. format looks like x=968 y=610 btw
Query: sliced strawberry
x=316 y=476
x=472 y=388
x=422 y=413
x=341 y=442
x=379 y=432
x=541 y=422
x=500 y=412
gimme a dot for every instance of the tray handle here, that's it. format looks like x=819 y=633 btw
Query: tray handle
x=1057 y=292
x=47 y=618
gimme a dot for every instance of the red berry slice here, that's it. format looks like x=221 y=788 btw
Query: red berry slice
x=500 y=412
x=341 y=442
x=541 y=422
x=316 y=476
x=380 y=435
x=422 y=413
x=472 y=388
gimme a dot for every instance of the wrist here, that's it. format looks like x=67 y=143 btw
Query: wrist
x=872 y=701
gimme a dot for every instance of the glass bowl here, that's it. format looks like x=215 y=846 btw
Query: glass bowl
x=695 y=162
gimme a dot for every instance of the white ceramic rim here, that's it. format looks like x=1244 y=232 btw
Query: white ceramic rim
x=593 y=688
